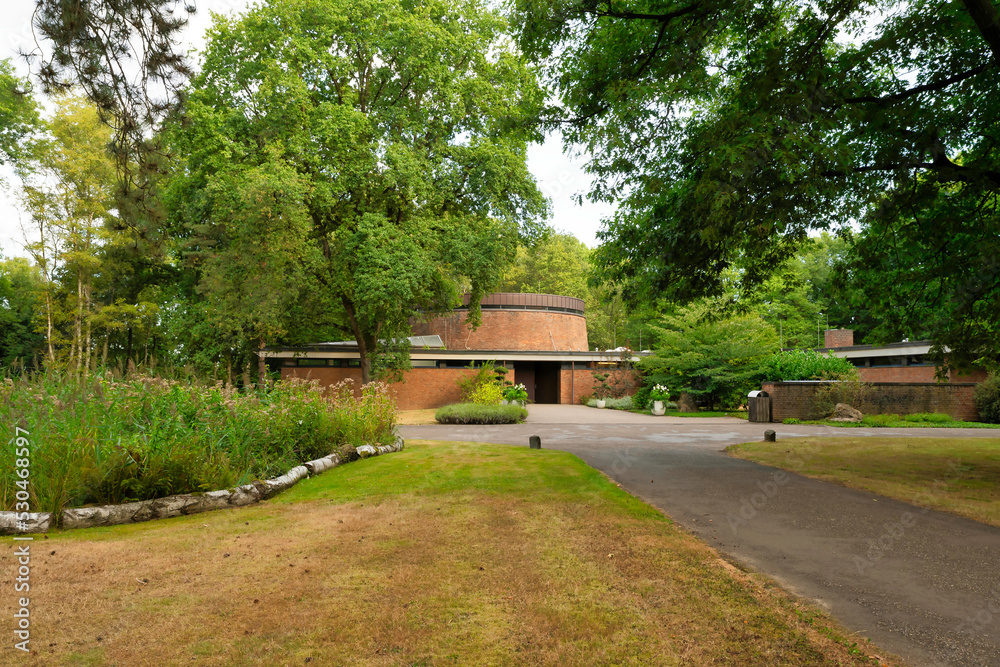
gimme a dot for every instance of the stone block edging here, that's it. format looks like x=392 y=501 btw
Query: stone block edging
x=186 y=503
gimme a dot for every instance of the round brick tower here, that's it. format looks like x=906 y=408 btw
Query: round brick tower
x=513 y=322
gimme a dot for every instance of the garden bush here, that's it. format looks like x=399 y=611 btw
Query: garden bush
x=987 y=398
x=931 y=417
x=641 y=399
x=477 y=413
x=108 y=440
x=791 y=365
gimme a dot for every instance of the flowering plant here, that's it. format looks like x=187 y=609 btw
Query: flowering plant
x=659 y=393
x=517 y=392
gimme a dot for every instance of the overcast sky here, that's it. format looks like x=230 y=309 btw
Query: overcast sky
x=559 y=176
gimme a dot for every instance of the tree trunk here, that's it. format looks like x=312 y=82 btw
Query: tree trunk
x=86 y=360
x=986 y=17
x=366 y=344
x=48 y=330
x=261 y=366
x=78 y=324
x=128 y=350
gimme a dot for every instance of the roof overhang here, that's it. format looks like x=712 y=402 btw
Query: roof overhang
x=890 y=350
x=351 y=352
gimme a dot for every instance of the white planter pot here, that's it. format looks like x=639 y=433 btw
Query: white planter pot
x=658 y=408
x=504 y=402
x=600 y=403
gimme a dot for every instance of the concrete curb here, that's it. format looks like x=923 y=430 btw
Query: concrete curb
x=183 y=504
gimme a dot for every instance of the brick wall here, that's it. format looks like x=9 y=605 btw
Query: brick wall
x=838 y=338
x=433 y=387
x=509 y=330
x=914 y=374
x=421 y=387
x=571 y=392
x=796 y=399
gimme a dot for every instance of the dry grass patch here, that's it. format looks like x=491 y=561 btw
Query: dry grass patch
x=416 y=417
x=957 y=475
x=444 y=554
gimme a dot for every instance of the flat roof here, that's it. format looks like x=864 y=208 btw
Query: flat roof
x=348 y=351
x=888 y=350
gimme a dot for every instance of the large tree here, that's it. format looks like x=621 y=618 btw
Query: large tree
x=407 y=127
x=729 y=129
x=19 y=120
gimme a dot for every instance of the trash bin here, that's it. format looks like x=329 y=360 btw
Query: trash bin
x=759 y=405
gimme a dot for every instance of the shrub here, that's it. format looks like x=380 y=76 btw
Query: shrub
x=879 y=420
x=932 y=417
x=619 y=403
x=807 y=365
x=791 y=420
x=586 y=399
x=477 y=413
x=641 y=399
x=987 y=398
x=485 y=374
x=486 y=394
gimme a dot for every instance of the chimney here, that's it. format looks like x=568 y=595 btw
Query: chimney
x=838 y=337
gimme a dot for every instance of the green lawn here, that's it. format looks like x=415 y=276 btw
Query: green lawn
x=445 y=553
x=958 y=475
x=893 y=421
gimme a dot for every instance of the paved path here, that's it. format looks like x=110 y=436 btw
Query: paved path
x=922 y=584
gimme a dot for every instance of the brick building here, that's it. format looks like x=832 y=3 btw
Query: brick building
x=540 y=338
x=896 y=362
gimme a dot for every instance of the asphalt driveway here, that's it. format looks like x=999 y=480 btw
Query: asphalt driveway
x=922 y=584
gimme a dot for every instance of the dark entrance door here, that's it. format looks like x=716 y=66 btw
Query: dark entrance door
x=524 y=373
x=547 y=381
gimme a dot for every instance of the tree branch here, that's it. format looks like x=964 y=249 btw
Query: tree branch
x=940 y=165
x=987 y=19
x=927 y=87
x=642 y=16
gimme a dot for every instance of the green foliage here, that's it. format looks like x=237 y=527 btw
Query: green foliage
x=406 y=129
x=486 y=394
x=624 y=403
x=659 y=393
x=20 y=294
x=880 y=421
x=718 y=361
x=19 y=120
x=558 y=263
x=803 y=295
x=483 y=375
x=987 y=398
x=791 y=365
x=475 y=413
x=929 y=417
x=108 y=440
x=517 y=393
x=641 y=398
x=726 y=132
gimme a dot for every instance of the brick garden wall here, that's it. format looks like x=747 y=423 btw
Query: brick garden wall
x=433 y=387
x=628 y=380
x=796 y=399
x=914 y=374
x=421 y=387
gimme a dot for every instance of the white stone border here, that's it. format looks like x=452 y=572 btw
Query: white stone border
x=187 y=503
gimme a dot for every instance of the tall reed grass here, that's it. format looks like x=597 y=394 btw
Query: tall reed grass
x=107 y=440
